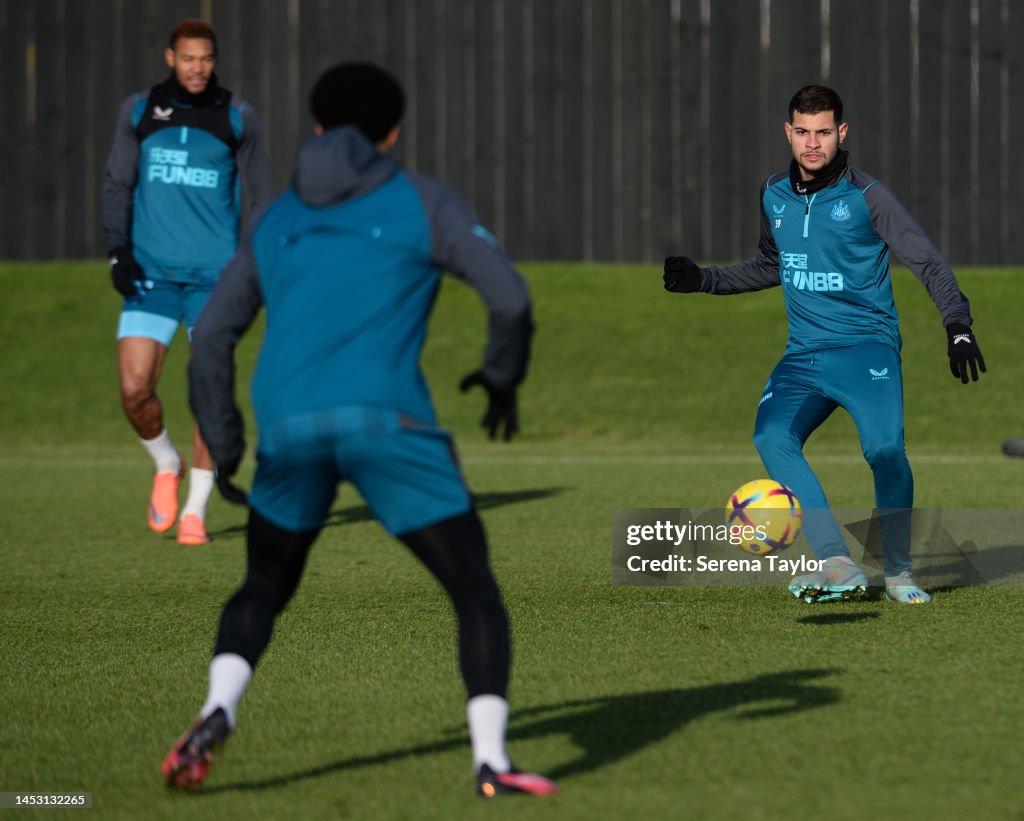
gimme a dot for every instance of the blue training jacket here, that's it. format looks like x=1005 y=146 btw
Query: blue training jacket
x=348 y=262
x=830 y=253
x=173 y=187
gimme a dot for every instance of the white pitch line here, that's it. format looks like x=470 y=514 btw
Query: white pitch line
x=74 y=462
x=683 y=459
x=551 y=459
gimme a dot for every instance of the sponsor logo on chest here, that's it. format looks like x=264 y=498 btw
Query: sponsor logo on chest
x=795 y=273
x=170 y=166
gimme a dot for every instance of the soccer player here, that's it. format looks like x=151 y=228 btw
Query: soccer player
x=826 y=232
x=171 y=210
x=348 y=263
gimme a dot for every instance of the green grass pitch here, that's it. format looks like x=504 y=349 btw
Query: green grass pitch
x=643 y=702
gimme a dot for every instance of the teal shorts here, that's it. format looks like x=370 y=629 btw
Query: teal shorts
x=408 y=474
x=160 y=307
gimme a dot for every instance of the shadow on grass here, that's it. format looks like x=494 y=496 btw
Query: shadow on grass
x=483 y=502
x=836 y=618
x=361 y=513
x=610 y=728
x=971 y=567
x=233 y=530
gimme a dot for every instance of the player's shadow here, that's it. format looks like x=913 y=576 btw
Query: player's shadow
x=969 y=567
x=962 y=566
x=361 y=513
x=826 y=619
x=941 y=562
x=482 y=501
x=609 y=729
x=231 y=530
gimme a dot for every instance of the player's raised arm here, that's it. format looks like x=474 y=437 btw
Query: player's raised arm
x=683 y=276
x=462 y=246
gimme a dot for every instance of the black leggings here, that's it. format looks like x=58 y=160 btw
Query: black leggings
x=454 y=550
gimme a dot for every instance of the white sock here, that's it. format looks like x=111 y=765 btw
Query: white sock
x=163 y=452
x=229 y=676
x=488 y=717
x=200 y=486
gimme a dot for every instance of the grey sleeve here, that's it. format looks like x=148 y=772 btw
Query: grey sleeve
x=908 y=241
x=119 y=179
x=755 y=274
x=233 y=305
x=254 y=163
x=462 y=246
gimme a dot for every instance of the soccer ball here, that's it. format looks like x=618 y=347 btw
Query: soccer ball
x=770 y=509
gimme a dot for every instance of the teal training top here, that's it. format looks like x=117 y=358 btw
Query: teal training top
x=830 y=253
x=173 y=188
x=347 y=263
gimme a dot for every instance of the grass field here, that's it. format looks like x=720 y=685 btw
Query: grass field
x=643 y=702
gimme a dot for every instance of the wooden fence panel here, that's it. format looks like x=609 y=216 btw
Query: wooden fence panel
x=955 y=223
x=927 y=138
x=739 y=145
x=988 y=120
x=894 y=99
x=578 y=129
x=1009 y=183
x=17 y=58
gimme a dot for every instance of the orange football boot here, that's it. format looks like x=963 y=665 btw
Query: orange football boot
x=192 y=530
x=163 y=501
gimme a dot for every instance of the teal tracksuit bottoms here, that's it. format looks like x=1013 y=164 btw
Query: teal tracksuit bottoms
x=803 y=391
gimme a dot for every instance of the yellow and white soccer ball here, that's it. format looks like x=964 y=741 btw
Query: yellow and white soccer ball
x=764 y=508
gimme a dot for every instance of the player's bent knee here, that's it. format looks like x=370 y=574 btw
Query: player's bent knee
x=889 y=455
x=455 y=551
x=478 y=589
x=270 y=593
x=773 y=442
x=277 y=558
x=136 y=394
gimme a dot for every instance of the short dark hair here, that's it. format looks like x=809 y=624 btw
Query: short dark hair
x=359 y=94
x=814 y=100
x=191 y=28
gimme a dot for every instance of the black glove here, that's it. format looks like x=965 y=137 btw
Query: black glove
x=963 y=351
x=125 y=272
x=230 y=491
x=501 y=405
x=682 y=276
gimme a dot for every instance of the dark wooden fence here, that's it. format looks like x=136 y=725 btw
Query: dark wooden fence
x=604 y=130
